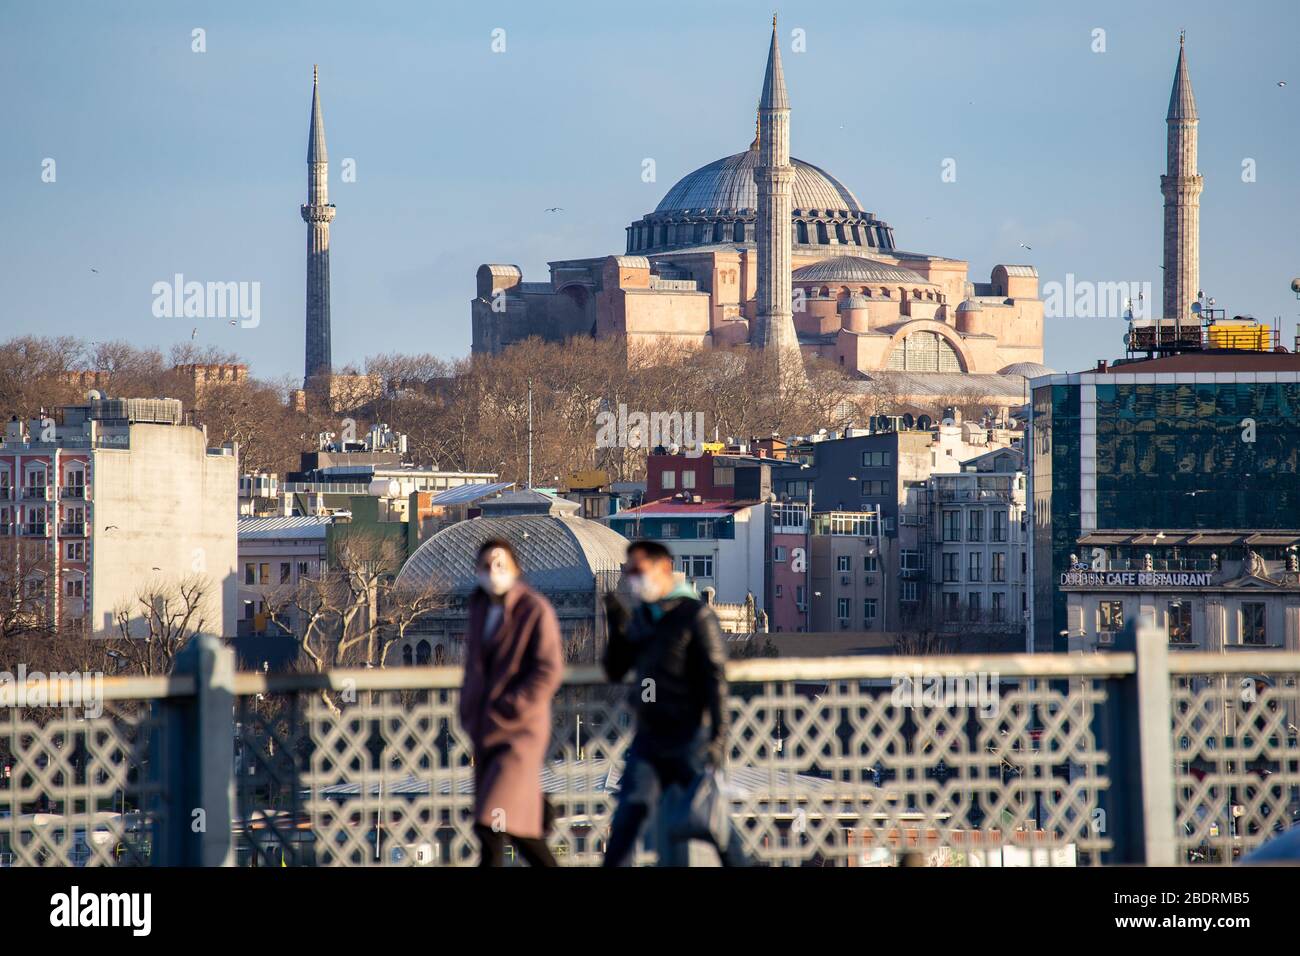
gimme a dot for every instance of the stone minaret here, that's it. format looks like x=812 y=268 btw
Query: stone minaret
x=774 y=177
x=1181 y=186
x=317 y=212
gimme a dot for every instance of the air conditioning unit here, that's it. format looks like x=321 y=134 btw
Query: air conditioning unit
x=1105 y=637
x=844 y=625
x=868 y=580
x=846 y=580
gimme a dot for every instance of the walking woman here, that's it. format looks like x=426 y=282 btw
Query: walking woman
x=513 y=664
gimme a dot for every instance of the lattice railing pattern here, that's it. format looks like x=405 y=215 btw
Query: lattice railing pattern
x=80 y=791
x=836 y=774
x=1236 y=762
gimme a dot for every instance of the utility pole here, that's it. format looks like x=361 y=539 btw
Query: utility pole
x=530 y=434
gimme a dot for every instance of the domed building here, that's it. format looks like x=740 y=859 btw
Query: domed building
x=571 y=560
x=716 y=264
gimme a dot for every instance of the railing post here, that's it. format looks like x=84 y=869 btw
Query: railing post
x=1137 y=732
x=199 y=765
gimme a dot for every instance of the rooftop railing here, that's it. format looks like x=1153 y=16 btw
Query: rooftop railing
x=1126 y=757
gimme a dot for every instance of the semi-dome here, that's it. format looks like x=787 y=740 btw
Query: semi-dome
x=1027 y=369
x=969 y=305
x=727 y=184
x=856 y=269
x=718 y=204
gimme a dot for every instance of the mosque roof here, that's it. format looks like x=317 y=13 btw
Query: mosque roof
x=856 y=269
x=727 y=184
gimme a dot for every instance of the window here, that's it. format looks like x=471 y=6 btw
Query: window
x=999 y=529
x=842 y=608
x=302 y=570
x=975 y=528
x=909 y=560
x=688 y=479
x=778 y=554
x=975 y=572
x=998 y=572
x=951 y=571
x=1180 y=622
x=875 y=489
x=800 y=596
x=875 y=459
x=1253 y=630
x=264 y=574
x=285 y=570
x=697 y=565
x=777 y=590
x=908 y=591
x=668 y=480
x=870 y=565
x=72 y=587
x=999 y=609
x=1110 y=617
x=250 y=574
x=843 y=562
x=951 y=606
x=668 y=529
x=869 y=609
x=724 y=475
x=1024 y=563
x=705 y=529
x=973 y=605
x=75 y=550
x=952 y=526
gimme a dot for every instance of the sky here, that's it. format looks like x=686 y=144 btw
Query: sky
x=168 y=160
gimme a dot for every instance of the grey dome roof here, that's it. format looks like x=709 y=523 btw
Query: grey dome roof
x=556 y=552
x=728 y=184
x=969 y=305
x=856 y=269
x=853 y=301
x=1027 y=369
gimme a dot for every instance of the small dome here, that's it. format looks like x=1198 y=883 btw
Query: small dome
x=969 y=305
x=1027 y=369
x=856 y=269
x=854 y=301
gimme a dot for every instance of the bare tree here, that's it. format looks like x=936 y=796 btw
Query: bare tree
x=160 y=621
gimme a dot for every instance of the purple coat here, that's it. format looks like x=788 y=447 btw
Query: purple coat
x=505 y=706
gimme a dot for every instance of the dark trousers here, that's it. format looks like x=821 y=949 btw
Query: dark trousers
x=648 y=770
x=492 y=848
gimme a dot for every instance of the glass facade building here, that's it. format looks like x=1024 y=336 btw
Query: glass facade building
x=1125 y=449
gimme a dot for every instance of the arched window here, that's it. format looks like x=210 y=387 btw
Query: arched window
x=717 y=232
x=802 y=229
x=407 y=657
x=422 y=652
x=839 y=233
x=738 y=232
x=822 y=237
x=925 y=351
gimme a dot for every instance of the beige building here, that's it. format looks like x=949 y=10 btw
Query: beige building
x=106 y=502
x=692 y=274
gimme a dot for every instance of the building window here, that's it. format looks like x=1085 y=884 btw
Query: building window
x=72 y=587
x=705 y=529
x=75 y=550
x=908 y=591
x=868 y=609
x=264 y=573
x=975 y=528
x=668 y=480
x=724 y=475
x=999 y=608
x=842 y=608
x=998 y=572
x=951 y=606
x=302 y=570
x=909 y=560
x=1253 y=630
x=870 y=564
x=951 y=570
x=250 y=574
x=777 y=590
x=1110 y=617
x=697 y=565
x=875 y=489
x=875 y=459
x=668 y=529
x=285 y=572
x=1180 y=622
x=975 y=571
x=843 y=562
x=778 y=554
x=688 y=479
x=800 y=596
x=973 y=605
x=999 y=529
x=952 y=526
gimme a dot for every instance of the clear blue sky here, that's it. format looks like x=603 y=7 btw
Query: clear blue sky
x=172 y=161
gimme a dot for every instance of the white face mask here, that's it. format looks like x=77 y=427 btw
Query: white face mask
x=644 y=589
x=499 y=577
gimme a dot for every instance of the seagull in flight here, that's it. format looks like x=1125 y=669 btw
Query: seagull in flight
x=94 y=270
x=193 y=333
x=555 y=209
x=1023 y=246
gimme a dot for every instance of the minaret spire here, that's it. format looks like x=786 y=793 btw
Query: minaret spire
x=317 y=212
x=774 y=330
x=1181 y=187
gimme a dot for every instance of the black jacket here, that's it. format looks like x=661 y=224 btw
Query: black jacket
x=680 y=668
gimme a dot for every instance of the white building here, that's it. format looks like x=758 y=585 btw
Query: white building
x=276 y=553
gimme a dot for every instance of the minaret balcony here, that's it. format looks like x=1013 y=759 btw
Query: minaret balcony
x=317 y=213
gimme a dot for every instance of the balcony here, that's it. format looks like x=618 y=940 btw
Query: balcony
x=6 y=493
x=34 y=530
x=73 y=491
x=72 y=529
x=36 y=493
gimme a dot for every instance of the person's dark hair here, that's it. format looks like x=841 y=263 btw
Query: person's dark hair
x=501 y=543
x=653 y=550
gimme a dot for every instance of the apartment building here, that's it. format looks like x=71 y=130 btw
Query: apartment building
x=114 y=502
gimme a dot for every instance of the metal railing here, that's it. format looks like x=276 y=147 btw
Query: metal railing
x=1131 y=756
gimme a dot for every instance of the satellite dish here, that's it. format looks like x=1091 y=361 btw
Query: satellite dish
x=1295 y=285
x=924 y=423
x=908 y=421
x=94 y=395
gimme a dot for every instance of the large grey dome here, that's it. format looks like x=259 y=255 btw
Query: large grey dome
x=727 y=184
x=557 y=552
